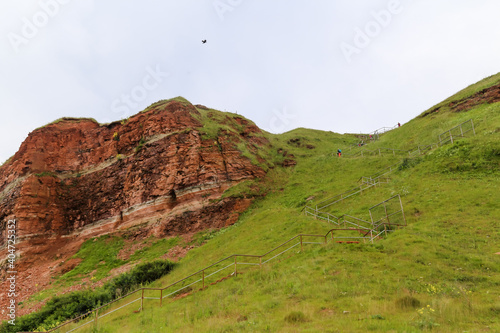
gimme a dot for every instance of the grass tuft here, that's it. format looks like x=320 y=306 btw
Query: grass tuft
x=407 y=302
x=296 y=317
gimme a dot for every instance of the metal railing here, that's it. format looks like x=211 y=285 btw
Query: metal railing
x=355 y=222
x=419 y=150
x=387 y=217
x=204 y=277
x=382 y=151
x=388 y=220
x=443 y=138
x=367 y=182
x=345 y=195
x=382 y=130
x=457 y=131
x=385 y=171
x=344 y=220
x=375 y=135
x=372 y=136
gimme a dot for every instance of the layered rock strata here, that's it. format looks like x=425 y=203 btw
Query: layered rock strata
x=158 y=170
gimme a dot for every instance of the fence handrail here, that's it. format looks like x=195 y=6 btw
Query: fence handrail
x=351 y=192
x=459 y=125
x=419 y=147
x=376 y=132
x=343 y=229
x=381 y=173
x=142 y=289
x=354 y=190
x=382 y=202
x=229 y=257
x=357 y=189
x=382 y=130
x=357 y=218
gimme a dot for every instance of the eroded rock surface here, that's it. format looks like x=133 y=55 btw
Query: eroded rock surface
x=75 y=179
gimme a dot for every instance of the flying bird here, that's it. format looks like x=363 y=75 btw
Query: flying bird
x=204 y=41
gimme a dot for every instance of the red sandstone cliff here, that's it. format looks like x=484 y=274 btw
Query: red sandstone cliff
x=75 y=179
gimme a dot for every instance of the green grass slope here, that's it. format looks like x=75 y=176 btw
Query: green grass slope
x=439 y=273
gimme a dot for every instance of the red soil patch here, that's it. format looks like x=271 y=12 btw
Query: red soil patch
x=489 y=95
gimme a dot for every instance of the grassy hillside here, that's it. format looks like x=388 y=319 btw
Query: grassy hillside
x=440 y=272
x=470 y=90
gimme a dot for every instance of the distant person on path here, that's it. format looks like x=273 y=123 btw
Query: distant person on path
x=399 y=124
x=339 y=152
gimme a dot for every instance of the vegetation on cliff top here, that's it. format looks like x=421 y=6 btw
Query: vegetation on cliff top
x=69 y=119
x=80 y=119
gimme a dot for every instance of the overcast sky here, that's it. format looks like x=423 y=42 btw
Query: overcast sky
x=337 y=65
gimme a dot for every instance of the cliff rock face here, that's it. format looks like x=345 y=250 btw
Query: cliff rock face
x=75 y=179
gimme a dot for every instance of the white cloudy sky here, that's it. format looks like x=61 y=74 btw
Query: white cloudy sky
x=277 y=62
